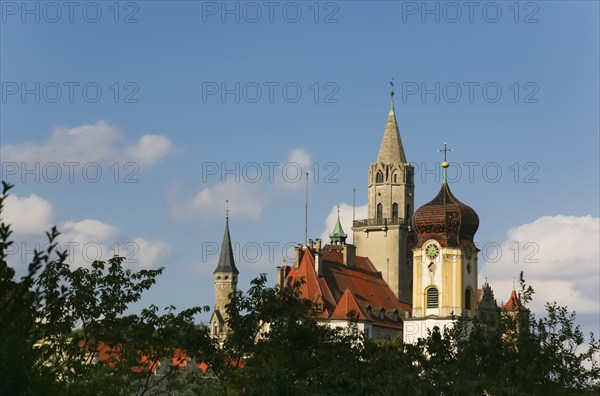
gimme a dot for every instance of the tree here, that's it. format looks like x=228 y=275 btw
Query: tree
x=66 y=331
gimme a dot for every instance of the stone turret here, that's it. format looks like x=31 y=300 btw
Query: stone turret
x=225 y=278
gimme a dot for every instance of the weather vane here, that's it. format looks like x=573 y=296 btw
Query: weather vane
x=392 y=85
x=227 y=209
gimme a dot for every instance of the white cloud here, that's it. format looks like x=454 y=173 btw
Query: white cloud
x=28 y=215
x=88 y=240
x=98 y=142
x=345 y=219
x=151 y=149
x=247 y=195
x=245 y=200
x=151 y=253
x=560 y=258
x=85 y=240
x=291 y=173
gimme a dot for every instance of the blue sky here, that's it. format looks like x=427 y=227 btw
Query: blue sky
x=159 y=96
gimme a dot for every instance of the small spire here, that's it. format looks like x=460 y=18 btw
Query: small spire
x=338 y=235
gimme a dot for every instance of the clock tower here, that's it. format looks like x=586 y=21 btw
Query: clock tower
x=445 y=263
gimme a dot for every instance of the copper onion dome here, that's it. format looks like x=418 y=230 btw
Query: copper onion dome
x=445 y=219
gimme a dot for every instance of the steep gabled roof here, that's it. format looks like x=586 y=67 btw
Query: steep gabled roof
x=513 y=303
x=359 y=286
x=348 y=307
x=311 y=289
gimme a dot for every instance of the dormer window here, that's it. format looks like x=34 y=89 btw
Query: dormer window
x=381 y=313
x=395 y=315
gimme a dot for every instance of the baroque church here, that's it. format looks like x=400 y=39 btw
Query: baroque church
x=405 y=272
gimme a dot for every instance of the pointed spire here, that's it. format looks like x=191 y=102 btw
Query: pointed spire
x=226 y=262
x=391 y=149
x=338 y=235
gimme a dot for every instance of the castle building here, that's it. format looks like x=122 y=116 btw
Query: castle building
x=345 y=287
x=405 y=273
x=225 y=279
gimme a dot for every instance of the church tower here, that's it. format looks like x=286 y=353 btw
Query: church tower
x=225 y=278
x=445 y=263
x=383 y=236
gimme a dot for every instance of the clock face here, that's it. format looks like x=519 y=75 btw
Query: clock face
x=432 y=251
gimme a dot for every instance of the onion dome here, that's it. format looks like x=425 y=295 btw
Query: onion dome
x=445 y=219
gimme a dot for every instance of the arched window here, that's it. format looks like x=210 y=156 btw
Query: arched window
x=432 y=297
x=394 y=210
x=395 y=178
x=379 y=211
x=379 y=177
x=468 y=299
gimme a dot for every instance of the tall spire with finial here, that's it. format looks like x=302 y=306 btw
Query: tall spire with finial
x=226 y=262
x=391 y=150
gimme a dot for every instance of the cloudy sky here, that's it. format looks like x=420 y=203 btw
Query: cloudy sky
x=129 y=125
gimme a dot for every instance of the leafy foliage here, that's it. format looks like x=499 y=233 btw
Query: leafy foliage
x=67 y=331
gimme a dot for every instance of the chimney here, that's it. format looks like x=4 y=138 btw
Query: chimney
x=298 y=251
x=282 y=272
x=318 y=245
x=318 y=264
x=349 y=255
x=310 y=244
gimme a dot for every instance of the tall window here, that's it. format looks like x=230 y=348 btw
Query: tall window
x=379 y=177
x=394 y=210
x=409 y=177
x=468 y=299
x=395 y=178
x=432 y=297
x=379 y=211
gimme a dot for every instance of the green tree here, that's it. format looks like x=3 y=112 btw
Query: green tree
x=58 y=320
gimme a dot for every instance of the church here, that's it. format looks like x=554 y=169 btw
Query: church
x=406 y=272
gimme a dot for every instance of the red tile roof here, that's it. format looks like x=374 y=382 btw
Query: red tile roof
x=366 y=287
x=348 y=307
x=513 y=303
